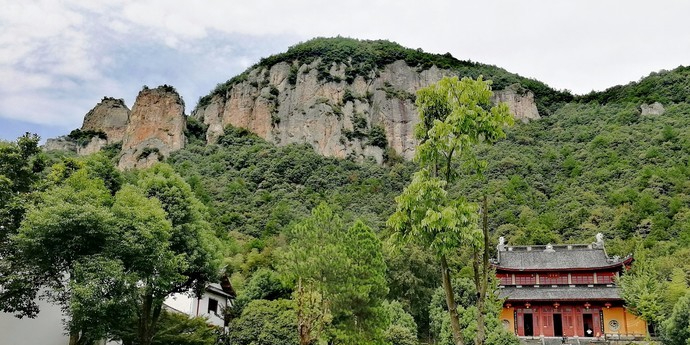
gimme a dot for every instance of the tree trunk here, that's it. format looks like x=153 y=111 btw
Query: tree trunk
x=450 y=301
x=144 y=331
x=73 y=337
x=483 y=279
x=303 y=327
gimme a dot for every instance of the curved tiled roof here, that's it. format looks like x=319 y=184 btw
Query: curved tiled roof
x=561 y=293
x=555 y=258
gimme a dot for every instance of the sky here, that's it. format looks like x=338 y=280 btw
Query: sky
x=59 y=58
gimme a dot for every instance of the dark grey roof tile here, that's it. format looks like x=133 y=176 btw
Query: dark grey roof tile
x=560 y=293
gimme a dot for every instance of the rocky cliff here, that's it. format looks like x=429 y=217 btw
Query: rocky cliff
x=346 y=98
x=366 y=116
x=104 y=124
x=155 y=128
x=520 y=101
x=110 y=116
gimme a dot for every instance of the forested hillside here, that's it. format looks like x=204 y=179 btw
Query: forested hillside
x=270 y=218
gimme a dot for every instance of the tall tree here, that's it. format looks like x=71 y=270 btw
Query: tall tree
x=339 y=275
x=189 y=256
x=366 y=286
x=455 y=115
x=110 y=258
x=70 y=223
x=21 y=165
x=677 y=326
x=640 y=289
x=315 y=263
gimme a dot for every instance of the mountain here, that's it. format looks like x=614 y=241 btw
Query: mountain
x=585 y=164
x=351 y=98
x=265 y=147
x=140 y=137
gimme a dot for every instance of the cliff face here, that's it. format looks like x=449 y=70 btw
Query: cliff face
x=292 y=103
x=520 y=101
x=109 y=116
x=155 y=128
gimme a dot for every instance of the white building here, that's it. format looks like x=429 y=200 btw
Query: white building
x=211 y=304
x=48 y=327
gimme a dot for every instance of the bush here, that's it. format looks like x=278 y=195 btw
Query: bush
x=82 y=138
x=377 y=137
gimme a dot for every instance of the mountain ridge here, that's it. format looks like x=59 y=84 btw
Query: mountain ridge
x=352 y=98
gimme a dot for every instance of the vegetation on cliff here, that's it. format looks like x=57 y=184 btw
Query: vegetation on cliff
x=664 y=86
x=367 y=57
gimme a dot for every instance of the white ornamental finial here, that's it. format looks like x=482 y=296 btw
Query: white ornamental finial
x=600 y=240
x=501 y=244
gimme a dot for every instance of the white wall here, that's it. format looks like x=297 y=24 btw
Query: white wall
x=188 y=305
x=46 y=329
x=181 y=302
x=215 y=319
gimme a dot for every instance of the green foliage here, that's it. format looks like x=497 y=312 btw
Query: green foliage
x=392 y=92
x=21 y=164
x=195 y=130
x=264 y=284
x=257 y=189
x=402 y=330
x=412 y=278
x=265 y=323
x=377 y=137
x=108 y=259
x=84 y=137
x=664 y=86
x=147 y=151
x=466 y=296
x=454 y=118
x=345 y=267
x=657 y=282
x=367 y=57
x=191 y=235
x=180 y=329
x=426 y=215
x=677 y=327
x=70 y=223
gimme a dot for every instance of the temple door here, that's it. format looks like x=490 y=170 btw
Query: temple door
x=596 y=323
x=568 y=318
x=520 y=323
x=546 y=324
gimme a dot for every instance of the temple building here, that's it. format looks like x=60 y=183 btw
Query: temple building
x=563 y=290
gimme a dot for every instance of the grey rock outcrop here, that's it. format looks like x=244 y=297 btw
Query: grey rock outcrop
x=93 y=146
x=110 y=116
x=654 y=109
x=335 y=117
x=62 y=143
x=520 y=101
x=155 y=128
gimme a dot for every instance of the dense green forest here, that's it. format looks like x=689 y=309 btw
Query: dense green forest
x=272 y=218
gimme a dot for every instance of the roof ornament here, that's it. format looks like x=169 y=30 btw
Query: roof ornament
x=600 y=241
x=501 y=244
x=549 y=248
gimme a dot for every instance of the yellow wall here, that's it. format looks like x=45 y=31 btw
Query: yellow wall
x=507 y=314
x=636 y=325
x=629 y=323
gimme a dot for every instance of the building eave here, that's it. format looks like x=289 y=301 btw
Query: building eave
x=598 y=268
